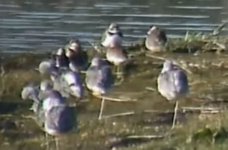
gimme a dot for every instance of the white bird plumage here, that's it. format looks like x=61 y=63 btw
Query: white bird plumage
x=112 y=36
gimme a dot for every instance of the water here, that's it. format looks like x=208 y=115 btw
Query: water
x=45 y=25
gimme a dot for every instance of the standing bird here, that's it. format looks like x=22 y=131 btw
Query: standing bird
x=51 y=110
x=78 y=59
x=112 y=41
x=117 y=56
x=156 y=40
x=59 y=120
x=99 y=80
x=172 y=84
x=55 y=116
x=112 y=36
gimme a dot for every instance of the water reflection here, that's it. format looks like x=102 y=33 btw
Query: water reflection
x=34 y=25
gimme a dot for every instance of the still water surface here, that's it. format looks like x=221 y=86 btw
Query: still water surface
x=45 y=25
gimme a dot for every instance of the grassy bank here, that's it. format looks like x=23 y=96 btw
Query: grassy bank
x=204 y=57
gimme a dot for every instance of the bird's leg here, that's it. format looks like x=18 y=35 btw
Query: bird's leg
x=49 y=139
x=175 y=114
x=46 y=135
x=2 y=75
x=119 y=75
x=101 y=108
x=118 y=70
x=57 y=143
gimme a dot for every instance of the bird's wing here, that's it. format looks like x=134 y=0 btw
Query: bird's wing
x=92 y=77
x=106 y=79
x=162 y=37
x=120 y=34
x=166 y=85
x=181 y=81
x=39 y=113
x=61 y=118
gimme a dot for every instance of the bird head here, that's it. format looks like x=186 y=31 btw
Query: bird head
x=113 y=28
x=153 y=29
x=29 y=92
x=60 y=52
x=73 y=48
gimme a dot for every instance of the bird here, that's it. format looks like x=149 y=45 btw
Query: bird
x=31 y=92
x=59 y=120
x=46 y=66
x=68 y=83
x=52 y=113
x=45 y=85
x=112 y=36
x=173 y=84
x=112 y=41
x=99 y=80
x=74 y=83
x=49 y=96
x=156 y=39
x=58 y=82
x=118 y=57
x=55 y=116
x=39 y=93
x=78 y=59
x=61 y=60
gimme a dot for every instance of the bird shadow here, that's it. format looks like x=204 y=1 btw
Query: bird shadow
x=10 y=107
x=162 y=118
x=127 y=142
x=129 y=69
